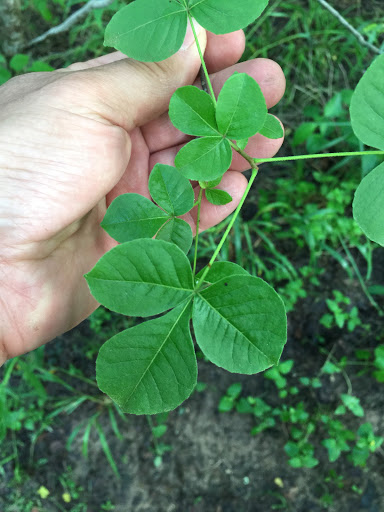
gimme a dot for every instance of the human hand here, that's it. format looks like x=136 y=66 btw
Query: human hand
x=70 y=142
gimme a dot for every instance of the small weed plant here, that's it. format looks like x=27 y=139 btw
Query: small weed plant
x=302 y=424
x=239 y=321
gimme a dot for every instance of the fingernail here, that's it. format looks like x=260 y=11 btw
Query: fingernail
x=189 y=38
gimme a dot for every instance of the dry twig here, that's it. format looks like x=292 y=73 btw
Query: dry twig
x=352 y=29
x=71 y=20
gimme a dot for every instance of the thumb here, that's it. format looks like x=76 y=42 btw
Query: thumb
x=129 y=93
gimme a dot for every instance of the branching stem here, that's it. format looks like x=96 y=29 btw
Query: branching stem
x=197 y=230
x=320 y=155
x=230 y=225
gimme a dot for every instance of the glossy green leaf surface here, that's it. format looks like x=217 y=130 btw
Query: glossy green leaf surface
x=192 y=111
x=170 y=190
x=272 y=128
x=204 y=159
x=141 y=278
x=178 y=232
x=150 y=368
x=221 y=269
x=148 y=30
x=241 y=108
x=217 y=197
x=367 y=106
x=132 y=216
x=224 y=16
x=368 y=205
x=240 y=324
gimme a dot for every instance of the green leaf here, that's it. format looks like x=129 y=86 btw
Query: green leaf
x=379 y=357
x=218 y=197
x=334 y=451
x=241 y=108
x=367 y=106
x=210 y=184
x=204 y=159
x=178 y=232
x=272 y=128
x=39 y=66
x=240 y=324
x=141 y=278
x=19 y=62
x=5 y=75
x=353 y=404
x=224 y=16
x=303 y=132
x=226 y=404
x=148 y=31
x=132 y=216
x=334 y=108
x=192 y=111
x=170 y=190
x=243 y=143
x=159 y=430
x=221 y=269
x=368 y=206
x=150 y=368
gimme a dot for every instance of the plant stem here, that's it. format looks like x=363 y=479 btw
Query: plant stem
x=197 y=230
x=248 y=158
x=209 y=83
x=255 y=170
x=306 y=157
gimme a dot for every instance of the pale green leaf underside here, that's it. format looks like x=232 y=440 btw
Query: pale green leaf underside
x=241 y=107
x=272 y=128
x=217 y=197
x=148 y=30
x=132 y=216
x=141 y=278
x=192 y=111
x=240 y=324
x=368 y=205
x=150 y=368
x=170 y=190
x=178 y=232
x=367 y=107
x=204 y=159
x=221 y=269
x=224 y=16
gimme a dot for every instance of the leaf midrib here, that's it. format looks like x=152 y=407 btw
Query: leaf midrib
x=231 y=324
x=157 y=353
x=139 y=27
x=143 y=283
